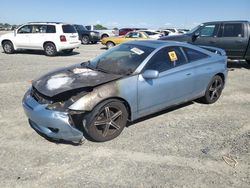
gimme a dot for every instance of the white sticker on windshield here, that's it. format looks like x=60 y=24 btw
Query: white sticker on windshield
x=137 y=51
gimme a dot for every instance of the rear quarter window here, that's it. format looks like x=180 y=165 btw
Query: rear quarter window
x=194 y=55
x=233 y=30
x=51 y=29
x=68 y=29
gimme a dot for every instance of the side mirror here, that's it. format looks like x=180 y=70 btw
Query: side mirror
x=196 y=34
x=150 y=74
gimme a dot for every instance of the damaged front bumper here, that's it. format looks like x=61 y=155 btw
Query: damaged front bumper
x=53 y=124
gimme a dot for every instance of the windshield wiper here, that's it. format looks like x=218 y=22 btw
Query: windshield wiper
x=102 y=70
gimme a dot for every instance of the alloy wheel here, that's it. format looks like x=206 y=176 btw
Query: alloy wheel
x=107 y=122
x=215 y=89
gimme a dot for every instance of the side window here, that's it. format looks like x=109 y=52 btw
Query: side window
x=233 y=30
x=36 y=28
x=209 y=30
x=166 y=59
x=194 y=55
x=51 y=29
x=25 y=29
x=130 y=35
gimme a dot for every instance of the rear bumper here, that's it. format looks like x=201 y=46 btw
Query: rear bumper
x=68 y=45
x=53 y=124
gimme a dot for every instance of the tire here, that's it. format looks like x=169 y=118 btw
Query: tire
x=213 y=90
x=104 y=36
x=94 y=42
x=85 y=39
x=8 y=47
x=50 y=49
x=110 y=44
x=106 y=121
x=69 y=51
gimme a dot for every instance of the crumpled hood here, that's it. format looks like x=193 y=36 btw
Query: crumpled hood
x=70 y=78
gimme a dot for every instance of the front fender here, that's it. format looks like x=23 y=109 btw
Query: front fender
x=90 y=100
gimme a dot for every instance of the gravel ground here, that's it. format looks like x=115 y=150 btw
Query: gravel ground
x=180 y=147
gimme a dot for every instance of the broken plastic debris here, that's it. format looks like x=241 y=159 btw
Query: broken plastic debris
x=230 y=160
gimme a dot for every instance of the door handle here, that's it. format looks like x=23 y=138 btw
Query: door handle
x=188 y=74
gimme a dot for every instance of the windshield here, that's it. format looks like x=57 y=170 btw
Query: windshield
x=122 y=60
x=193 y=30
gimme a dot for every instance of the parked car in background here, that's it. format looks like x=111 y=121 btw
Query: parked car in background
x=170 y=32
x=52 y=37
x=124 y=31
x=87 y=36
x=232 y=36
x=103 y=33
x=152 y=34
x=183 y=31
x=133 y=35
x=128 y=82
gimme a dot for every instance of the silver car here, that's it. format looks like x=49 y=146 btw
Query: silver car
x=125 y=83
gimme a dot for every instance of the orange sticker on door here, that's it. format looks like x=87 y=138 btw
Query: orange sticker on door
x=172 y=56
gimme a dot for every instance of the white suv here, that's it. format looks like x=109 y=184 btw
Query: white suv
x=51 y=37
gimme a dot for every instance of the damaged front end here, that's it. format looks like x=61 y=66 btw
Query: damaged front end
x=51 y=117
x=47 y=102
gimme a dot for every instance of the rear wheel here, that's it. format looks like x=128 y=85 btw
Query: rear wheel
x=213 y=91
x=94 y=42
x=85 y=39
x=8 y=47
x=50 y=49
x=110 y=44
x=69 y=51
x=106 y=121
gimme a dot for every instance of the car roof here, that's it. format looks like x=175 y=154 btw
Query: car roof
x=155 y=43
x=47 y=23
x=232 y=21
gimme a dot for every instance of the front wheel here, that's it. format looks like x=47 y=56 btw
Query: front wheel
x=50 y=49
x=213 y=91
x=8 y=47
x=110 y=45
x=106 y=121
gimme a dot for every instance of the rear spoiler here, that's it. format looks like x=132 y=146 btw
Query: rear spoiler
x=214 y=50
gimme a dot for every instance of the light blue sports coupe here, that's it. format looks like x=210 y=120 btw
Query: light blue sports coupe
x=127 y=82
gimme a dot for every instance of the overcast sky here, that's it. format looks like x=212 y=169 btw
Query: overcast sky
x=126 y=13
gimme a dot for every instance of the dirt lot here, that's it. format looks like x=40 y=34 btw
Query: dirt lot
x=181 y=147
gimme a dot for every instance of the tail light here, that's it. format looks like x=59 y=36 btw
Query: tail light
x=63 y=38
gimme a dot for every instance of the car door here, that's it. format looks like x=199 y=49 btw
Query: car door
x=233 y=39
x=22 y=36
x=174 y=84
x=37 y=37
x=206 y=35
x=203 y=69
